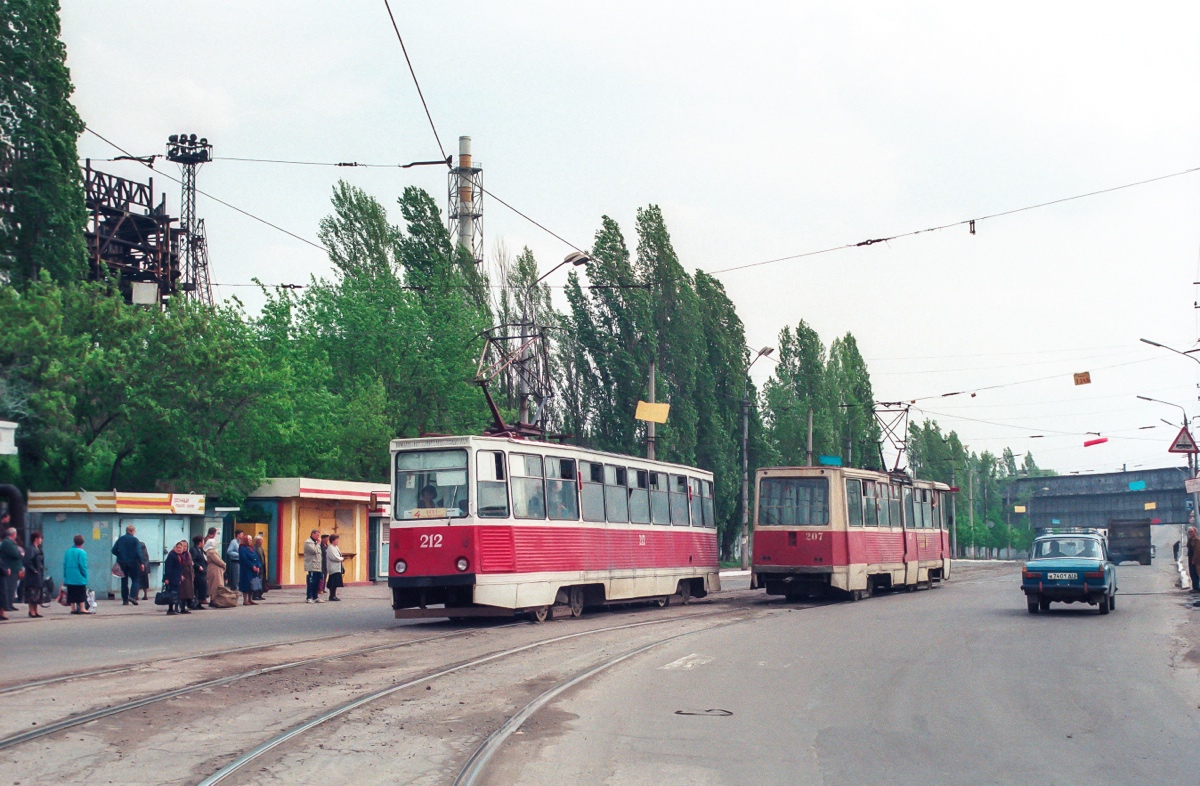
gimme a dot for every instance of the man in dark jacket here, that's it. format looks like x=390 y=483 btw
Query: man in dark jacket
x=128 y=551
x=11 y=567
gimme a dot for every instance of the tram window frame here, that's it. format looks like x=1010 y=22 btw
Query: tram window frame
x=660 y=503
x=563 y=487
x=616 y=489
x=883 y=499
x=639 y=496
x=909 y=514
x=695 y=502
x=854 y=502
x=927 y=508
x=936 y=498
x=522 y=480
x=591 y=492
x=870 y=509
x=894 y=510
x=706 y=489
x=678 y=499
x=488 y=465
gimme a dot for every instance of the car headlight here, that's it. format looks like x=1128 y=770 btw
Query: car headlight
x=462 y=564
x=400 y=566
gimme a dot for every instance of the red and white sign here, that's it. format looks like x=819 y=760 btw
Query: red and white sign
x=1184 y=443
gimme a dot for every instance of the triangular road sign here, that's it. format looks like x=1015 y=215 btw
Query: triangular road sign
x=1184 y=443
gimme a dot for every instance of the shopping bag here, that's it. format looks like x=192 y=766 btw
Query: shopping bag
x=62 y=597
x=91 y=602
x=116 y=570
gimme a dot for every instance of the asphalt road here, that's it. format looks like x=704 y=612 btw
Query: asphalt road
x=958 y=684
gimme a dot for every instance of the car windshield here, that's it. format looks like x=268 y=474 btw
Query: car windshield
x=431 y=484
x=1085 y=548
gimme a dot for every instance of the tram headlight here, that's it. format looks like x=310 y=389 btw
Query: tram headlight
x=400 y=566
x=462 y=564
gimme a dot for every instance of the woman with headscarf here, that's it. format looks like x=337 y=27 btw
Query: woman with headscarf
x=173 y=570
x=215 y=567
x=261 y=551
x=75 y=575
x=187 y=579
x=251 y=569
x=35 y=574
x=199 y=571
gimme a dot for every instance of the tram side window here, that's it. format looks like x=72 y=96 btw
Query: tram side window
x=679 y=501
x=706 y=488
x=639 y=496
x=592 y=490
x=493 y=485
x=797 y=502
x=894 y=505
x=562 y=502
x=869 y=509
x=937 y=509
x=854 y=502
x=909 y=520
x=615 y=502
x=927 y=508
x=528 y=491
x=694 y=503
x=660 y=507
x=883 y=499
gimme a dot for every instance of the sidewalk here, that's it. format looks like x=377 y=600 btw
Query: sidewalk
x=373 y=594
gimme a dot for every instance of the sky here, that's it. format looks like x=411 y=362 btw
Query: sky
x=762 y=130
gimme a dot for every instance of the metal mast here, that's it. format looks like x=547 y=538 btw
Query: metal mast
x=190 y=153
x=466 y=202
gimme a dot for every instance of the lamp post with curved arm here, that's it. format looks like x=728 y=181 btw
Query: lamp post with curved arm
x=745 y=544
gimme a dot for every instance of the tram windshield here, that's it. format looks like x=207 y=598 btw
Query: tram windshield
x=431 y=484
x=797 y=502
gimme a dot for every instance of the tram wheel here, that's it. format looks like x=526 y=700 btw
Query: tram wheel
x=662 y=603
x=540 y=614
x=576 y=601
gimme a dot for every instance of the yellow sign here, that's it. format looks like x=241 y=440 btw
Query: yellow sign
x=96 y=532
x=655 y=413
x=1018 y=509
x=1083 y=378
x=1151 y=506
x=428 y=513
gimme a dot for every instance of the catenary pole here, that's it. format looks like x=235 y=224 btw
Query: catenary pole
x=650 y=423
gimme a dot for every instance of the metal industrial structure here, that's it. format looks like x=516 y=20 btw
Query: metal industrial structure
x=466 y=202
x=190 y=153
x=1091 y=500
x=128 y=235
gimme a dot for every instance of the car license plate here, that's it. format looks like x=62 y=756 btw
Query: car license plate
x=1062 y=576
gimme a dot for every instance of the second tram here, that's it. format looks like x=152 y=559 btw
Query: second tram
x=486 y=525
x=854 y=531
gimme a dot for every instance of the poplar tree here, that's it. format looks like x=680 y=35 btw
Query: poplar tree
x=38 y=131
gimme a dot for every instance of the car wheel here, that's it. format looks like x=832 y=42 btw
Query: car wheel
x=1045 y=604
x=1112 y=602
x=1103 y=605
x=1032 y=602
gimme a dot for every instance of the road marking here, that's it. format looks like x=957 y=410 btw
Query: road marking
x=687 y=662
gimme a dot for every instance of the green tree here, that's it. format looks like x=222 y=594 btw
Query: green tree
x=38 y=131
x=800 y=384
x=854 y=423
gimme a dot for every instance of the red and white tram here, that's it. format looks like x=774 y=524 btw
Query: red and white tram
x=485 y=525
x=853 y=530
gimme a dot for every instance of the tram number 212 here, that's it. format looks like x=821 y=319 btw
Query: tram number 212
x=431 y=541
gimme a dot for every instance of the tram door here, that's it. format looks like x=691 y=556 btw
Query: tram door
x=912 y=559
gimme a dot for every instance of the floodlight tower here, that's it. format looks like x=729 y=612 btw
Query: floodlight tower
x=190 y=153
x=466 y=202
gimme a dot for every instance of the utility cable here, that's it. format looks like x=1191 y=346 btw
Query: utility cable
x=968 y=222
x=404 y=49
x=218 y=200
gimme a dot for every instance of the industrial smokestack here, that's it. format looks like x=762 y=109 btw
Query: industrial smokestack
x=466 y=195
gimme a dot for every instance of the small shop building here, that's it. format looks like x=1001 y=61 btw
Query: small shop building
x=286 y=510
x=160 y=521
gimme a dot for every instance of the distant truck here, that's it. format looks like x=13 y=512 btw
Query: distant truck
x=1129 y=539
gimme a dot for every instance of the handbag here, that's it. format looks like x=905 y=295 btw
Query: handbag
x=62 y=596
x=256 y=584
x=165 y=597
x=116 y=570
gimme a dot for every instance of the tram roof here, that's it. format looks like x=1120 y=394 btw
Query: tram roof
x=542 y=447
x=862 y=473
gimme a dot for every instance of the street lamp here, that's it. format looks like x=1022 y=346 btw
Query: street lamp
x=575 y=258
x=1187 y=354
x=1191 y=456
x=746 y=457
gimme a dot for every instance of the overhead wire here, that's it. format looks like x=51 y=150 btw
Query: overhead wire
x=416 y=82
x=968 y=222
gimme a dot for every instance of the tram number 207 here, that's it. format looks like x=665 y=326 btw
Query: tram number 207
x=814 y=535
x=431 y=541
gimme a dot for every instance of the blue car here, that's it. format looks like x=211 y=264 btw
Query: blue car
x=1070 y=568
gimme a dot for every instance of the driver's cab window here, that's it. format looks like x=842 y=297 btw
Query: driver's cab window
x=431 y=484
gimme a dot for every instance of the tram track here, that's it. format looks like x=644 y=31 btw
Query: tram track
x=100 y=714
x=256 y=753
